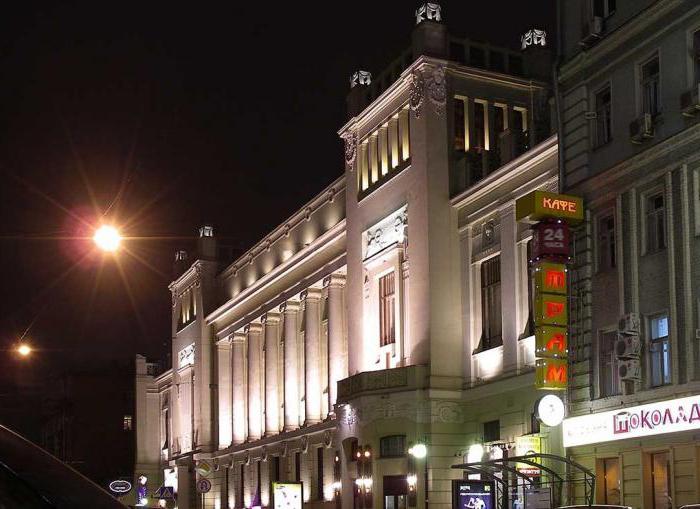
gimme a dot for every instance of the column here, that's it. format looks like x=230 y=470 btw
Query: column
x=337 y=358
x=223 y=359
x=312 y=338
x=185 y=486
x=239 y=390
x=255 y=395
x=290 y=309
x=509 y=288
x=271 y=322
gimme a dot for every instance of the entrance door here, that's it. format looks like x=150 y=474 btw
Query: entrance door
x=395 y=491
x=660 y=481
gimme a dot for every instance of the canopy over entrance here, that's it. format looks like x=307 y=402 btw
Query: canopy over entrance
x=508 y=469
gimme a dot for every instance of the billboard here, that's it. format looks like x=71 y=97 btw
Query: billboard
x=468 y=494
x=287 y=495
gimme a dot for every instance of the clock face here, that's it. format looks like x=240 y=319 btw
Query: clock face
x=550 y=410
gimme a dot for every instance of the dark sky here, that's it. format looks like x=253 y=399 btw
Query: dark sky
x=176 y=114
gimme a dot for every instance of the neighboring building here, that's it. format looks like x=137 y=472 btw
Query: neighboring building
x=390 y=310
x=629 y=87
x=94 y=435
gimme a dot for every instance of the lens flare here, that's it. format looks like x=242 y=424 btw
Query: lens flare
x=107 y=238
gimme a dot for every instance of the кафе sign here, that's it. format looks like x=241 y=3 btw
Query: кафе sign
x=634 y=422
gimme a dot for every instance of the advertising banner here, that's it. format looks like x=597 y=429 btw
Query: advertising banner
x=524 y=445
x=467 y=494
x=633 y=422
x=287 y=495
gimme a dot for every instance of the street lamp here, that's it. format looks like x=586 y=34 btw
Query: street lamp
x=107 y=238
x=24 y=350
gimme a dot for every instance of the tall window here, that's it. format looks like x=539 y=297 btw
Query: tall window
x=606 y=243
x=128 y=424
x=696 y=55
x=460 y=142
x=319 y=473
x=604 y=8
x=240 y=502
x=609 y=477
x=491 y=303
x=479 y=125
x=603 y=109
x=387 y=292
x=655 y=223
x=660 y=481
x=650 y=86
x=659 y=351
x=297 y=466
x=607 y=365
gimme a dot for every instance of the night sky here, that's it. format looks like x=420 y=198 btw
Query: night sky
x=165 y=115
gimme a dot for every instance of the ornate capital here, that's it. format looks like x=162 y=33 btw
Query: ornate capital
x=239 y=337
x=335 y=280
x=290 y=306
x=311 y=294
x=271 y=317
x=253 y=328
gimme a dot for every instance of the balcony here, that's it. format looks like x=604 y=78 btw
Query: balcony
x=386 y=380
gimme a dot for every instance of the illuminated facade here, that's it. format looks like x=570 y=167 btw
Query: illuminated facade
x=390 y=312
x=629 y=104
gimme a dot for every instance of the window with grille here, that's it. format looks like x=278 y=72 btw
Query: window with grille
x=607 y=364
x=491 y=303
x=606 y=243
x=603 y=109
x=387 y=294
x=392 y=446
x=650 y=86
x=655 y=223
x=659 y=351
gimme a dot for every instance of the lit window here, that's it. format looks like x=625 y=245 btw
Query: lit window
x=607 y=364
x=655 y=223
x=480 y=126
x=603 y=109
x=660 y=480
x=659 y=351
x=491 y=303
x=392 y=446
x=650 y=86
x=387 y=329
x=606 y=243
x=128 y=423
x=460 y=124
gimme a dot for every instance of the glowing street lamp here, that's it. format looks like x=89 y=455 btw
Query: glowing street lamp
x=24 y=350
x=107 y=238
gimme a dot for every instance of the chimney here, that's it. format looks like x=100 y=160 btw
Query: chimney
x=206 y=243
x=180 y=263
x=430 y=36
x=357 y=99
x=537 y=58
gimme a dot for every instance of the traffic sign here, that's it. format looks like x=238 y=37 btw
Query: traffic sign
x=165 y=492
x=203 y=486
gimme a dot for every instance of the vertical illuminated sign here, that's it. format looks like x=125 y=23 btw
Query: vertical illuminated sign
x=551 y=214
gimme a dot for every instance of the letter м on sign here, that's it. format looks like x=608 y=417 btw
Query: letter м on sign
x=551 y=374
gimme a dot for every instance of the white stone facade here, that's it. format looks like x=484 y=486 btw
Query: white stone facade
x=356 y=323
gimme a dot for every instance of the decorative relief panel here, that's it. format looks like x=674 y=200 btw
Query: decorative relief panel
x=390 y=230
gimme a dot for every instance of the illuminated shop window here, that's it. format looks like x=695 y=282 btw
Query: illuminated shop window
x=660 y=480
x=387 y=321
x=659 y=351
x=607 y=364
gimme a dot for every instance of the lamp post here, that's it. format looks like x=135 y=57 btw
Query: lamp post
x=417 y=451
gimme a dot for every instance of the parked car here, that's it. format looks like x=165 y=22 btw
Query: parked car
x=30 y=478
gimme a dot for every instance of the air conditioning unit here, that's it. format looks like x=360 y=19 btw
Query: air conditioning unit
x=642 y=129
x=628 y=347
x=629 y=370
x=690 y=102
x=629 y=324
x=594 y=31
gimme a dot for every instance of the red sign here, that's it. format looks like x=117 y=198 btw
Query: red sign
x=550 y=239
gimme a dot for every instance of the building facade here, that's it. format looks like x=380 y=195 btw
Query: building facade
x=629 y=104
x=391 y=310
